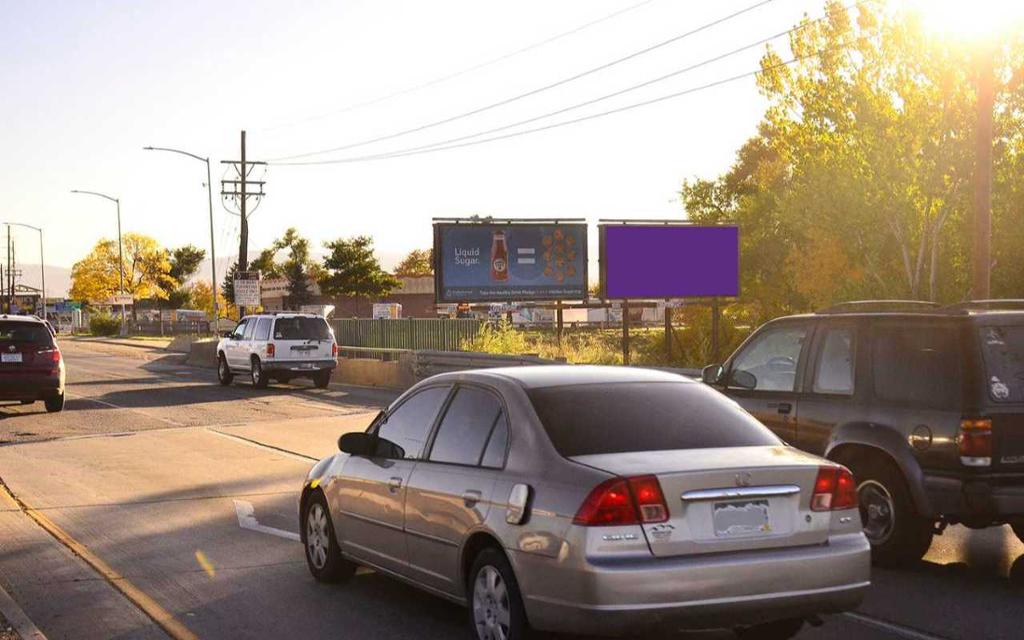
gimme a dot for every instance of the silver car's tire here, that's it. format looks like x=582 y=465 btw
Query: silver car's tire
x=224 y=375
x=775 y=630
x=495 y=605
x=323 y=555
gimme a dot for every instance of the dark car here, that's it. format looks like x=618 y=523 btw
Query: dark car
x=31 y=365
x=925 y=404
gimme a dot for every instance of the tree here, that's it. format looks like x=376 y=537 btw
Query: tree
x=147 y=269
x=418 y=263
x=353 y=270
x=202 y=298
x=227 y=287
x=185 y=262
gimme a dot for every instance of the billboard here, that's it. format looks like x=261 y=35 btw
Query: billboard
x=517 y=261
x=657 y=261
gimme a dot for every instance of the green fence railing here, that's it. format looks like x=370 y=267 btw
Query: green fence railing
x=442 y=334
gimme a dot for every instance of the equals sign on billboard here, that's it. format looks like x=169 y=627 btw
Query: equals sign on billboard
x=526 y=255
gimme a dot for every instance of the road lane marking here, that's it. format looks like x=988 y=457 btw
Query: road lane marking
x=246 y=514
x=23 y=625
x=162 y=617
x=891 y=627
x=173 y=423
x=261 y=445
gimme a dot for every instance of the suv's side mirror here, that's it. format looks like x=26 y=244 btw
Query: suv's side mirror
x=358 y=444
x=712 y=374
x=743 y=379
x=227 y=334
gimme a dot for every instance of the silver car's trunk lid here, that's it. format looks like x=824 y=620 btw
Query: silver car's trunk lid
x=729 y=499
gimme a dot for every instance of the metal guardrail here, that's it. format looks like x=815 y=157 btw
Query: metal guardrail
x=371 y=353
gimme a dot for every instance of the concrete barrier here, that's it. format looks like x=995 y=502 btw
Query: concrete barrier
x=181 y=344
x=203 y=353
x=367 y=372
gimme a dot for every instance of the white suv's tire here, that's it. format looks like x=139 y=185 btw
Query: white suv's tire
x=224 y=375
x=259 y=377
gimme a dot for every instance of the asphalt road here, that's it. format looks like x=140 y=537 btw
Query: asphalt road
x=185 y=492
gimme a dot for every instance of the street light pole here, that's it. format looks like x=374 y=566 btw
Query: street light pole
x=120 y=246
x=213 y=247
x=42 y=258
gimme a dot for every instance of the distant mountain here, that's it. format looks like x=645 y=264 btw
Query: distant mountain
x=58 y=279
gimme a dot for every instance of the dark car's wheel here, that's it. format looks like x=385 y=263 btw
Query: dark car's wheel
x=323 y=555
x=322 y=379
x=897 y=533
x=54 y=404
x=259 y=378
x=496 y=608
x=224 y=375
x=775 y=630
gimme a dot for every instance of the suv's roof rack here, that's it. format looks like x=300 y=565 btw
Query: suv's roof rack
x=867 y=306
x=988 y=305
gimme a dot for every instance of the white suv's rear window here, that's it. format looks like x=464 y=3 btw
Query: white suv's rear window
x=301 y=328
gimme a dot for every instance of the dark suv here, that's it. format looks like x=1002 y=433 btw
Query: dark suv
x=925 y=404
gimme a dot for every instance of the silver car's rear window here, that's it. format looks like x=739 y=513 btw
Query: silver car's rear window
x=25 y=332
x=626 y=417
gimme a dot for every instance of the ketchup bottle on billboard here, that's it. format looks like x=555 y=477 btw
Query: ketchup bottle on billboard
x=499 y=257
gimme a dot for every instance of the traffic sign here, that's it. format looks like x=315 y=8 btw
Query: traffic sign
x=247 y=289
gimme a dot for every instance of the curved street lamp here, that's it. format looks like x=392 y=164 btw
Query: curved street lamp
x=213 y=248
x=120 y=246
x=42 y=260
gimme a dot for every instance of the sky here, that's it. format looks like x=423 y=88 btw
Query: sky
x=88 y=84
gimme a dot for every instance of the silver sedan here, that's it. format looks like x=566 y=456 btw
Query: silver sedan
x=597 y=500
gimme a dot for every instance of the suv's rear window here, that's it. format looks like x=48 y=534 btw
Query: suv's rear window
x=301 y=329
x=1003 y=349
x=624 y=417
x=30 y=332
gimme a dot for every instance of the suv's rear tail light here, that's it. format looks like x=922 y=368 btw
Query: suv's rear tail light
x=623 y=501
x=834 y=489
x=334 y=349
x=975 y=442
x=53 y=355
x=271 y=350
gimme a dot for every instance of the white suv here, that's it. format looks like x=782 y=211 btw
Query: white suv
x=278 y=347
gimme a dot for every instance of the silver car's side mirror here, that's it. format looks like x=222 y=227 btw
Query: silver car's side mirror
x=518 y=501
x=712 y=374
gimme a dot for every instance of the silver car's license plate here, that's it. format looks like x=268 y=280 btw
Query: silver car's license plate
x=10 y=357
x=738 y=519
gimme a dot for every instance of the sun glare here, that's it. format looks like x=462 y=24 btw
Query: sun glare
x=970 y=20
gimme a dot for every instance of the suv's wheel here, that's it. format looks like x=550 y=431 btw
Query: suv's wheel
x=897 y=533
x=496 y=608
x=323 y=555
x=259 y=379
x=55 y=404
x=224 y=375
x=774 y=630
x=322 y=379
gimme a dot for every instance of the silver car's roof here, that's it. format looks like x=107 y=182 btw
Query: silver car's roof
x=535 y=377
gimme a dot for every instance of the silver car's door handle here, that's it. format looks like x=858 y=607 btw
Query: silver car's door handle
x=394 y=484
x=471 y=498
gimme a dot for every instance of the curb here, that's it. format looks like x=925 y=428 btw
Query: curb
x=23 y=626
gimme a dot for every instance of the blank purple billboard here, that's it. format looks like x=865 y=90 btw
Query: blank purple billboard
x=669 y=261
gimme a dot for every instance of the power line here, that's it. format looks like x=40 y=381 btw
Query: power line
x=565 y=123
x=456 y=74
x=587 y=103
x=533 y=92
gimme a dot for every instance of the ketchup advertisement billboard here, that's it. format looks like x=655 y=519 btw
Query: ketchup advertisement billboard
x=652 y=261
x=510 y=262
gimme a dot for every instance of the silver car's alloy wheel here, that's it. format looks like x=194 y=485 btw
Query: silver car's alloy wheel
x=877 y=511
x=317 y=539
x=491 y=611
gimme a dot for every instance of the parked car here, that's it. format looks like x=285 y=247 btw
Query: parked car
x=925 y=404
x=599 y=500
x=279 y=347
x=31 y=365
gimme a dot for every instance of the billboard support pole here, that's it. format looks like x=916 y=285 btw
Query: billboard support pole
x=558 y=316
x=668 y=332
x=625 y=332
x=716 y=315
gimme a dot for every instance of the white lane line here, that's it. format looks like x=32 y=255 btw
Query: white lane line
x=260 y=445
x=891 y=627
x=173 y=423
x=247 y=520
x=22 y=624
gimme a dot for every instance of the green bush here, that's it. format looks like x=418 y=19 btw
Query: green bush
x=104 y=324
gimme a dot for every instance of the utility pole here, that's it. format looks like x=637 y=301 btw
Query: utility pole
x=239 y=192
x=982 y=267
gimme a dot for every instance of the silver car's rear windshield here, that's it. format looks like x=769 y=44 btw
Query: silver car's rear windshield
x=1003 y=349
x=301 y=328
x=643 y=416
x=25 y=332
